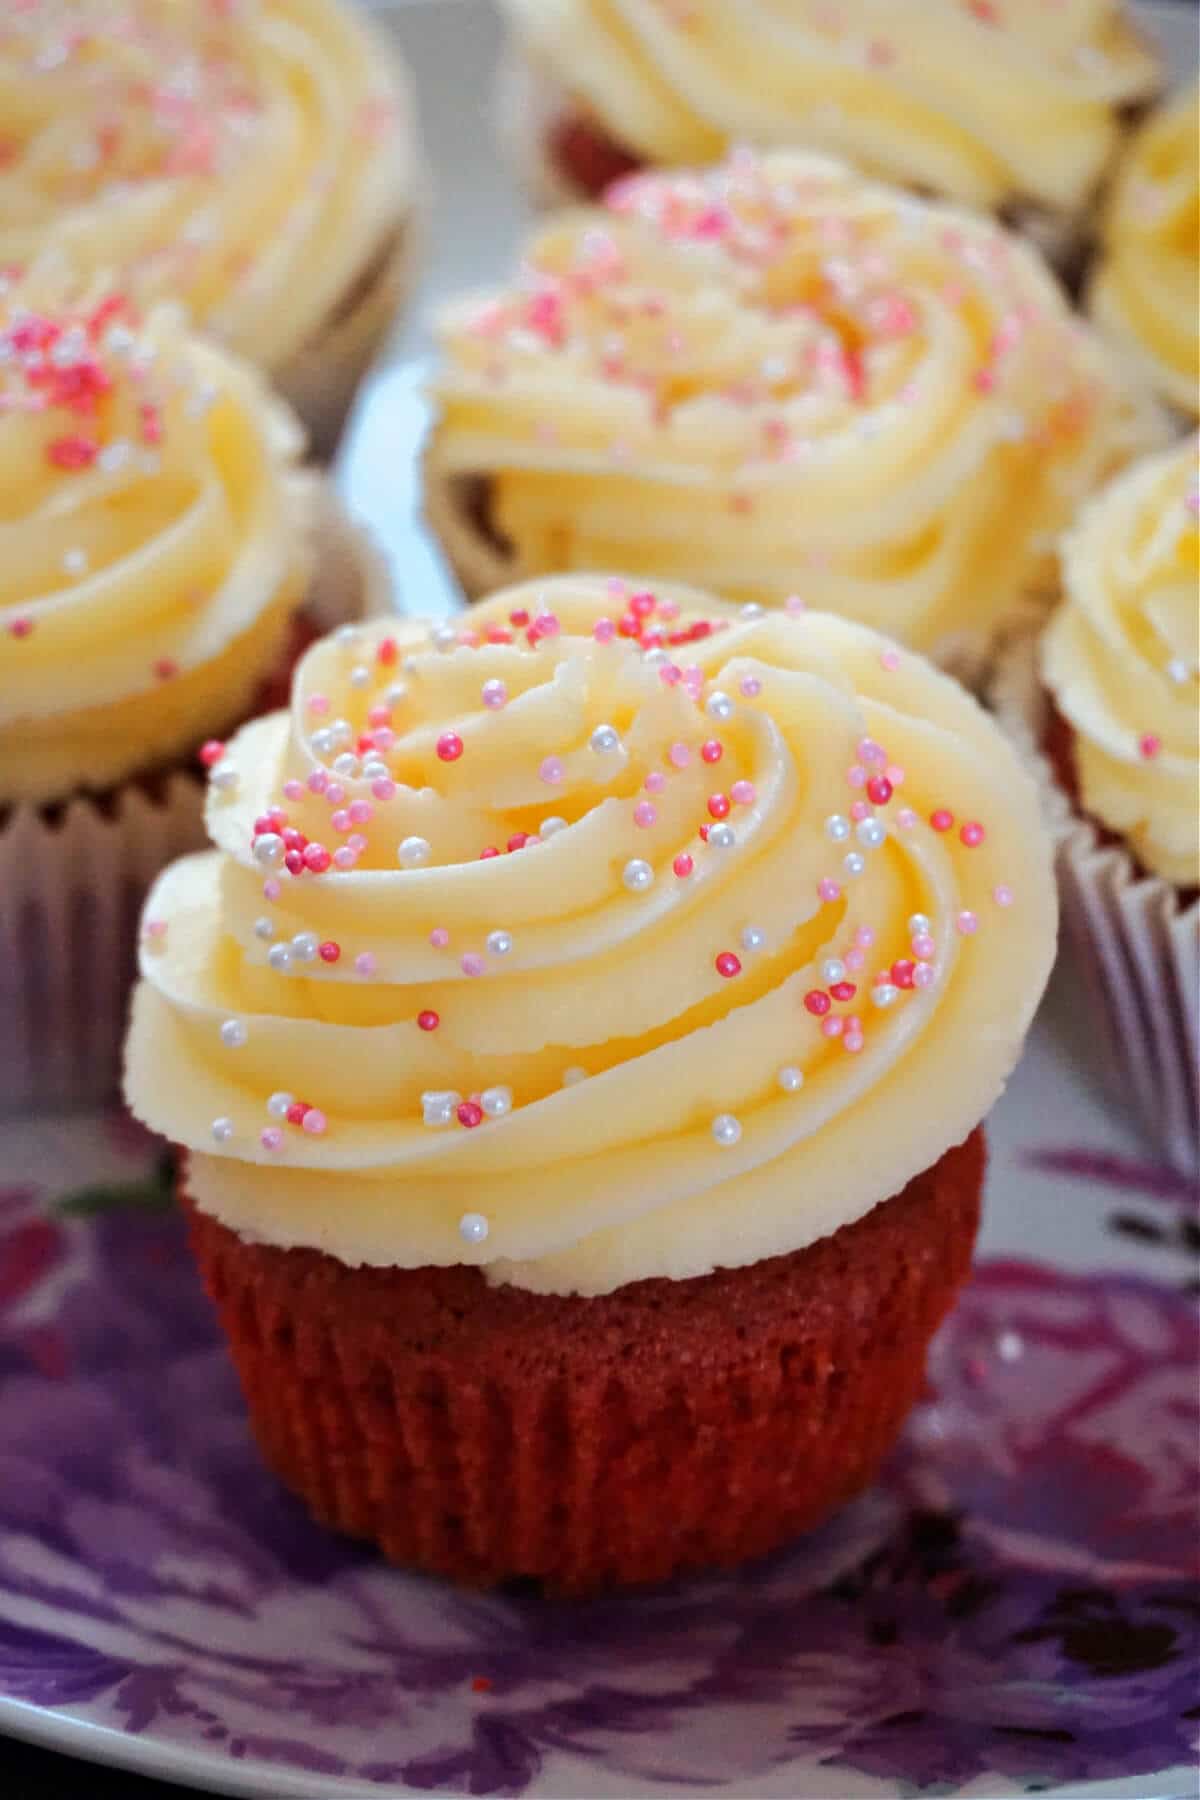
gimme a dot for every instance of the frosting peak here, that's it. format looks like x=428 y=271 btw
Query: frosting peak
x=599 y=935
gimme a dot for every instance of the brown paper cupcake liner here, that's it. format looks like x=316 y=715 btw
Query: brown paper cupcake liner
x=1135 y=944
x=73 y=878
x=488 y=1433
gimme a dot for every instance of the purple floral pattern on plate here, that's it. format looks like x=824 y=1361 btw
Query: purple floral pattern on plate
x=1018 y=1596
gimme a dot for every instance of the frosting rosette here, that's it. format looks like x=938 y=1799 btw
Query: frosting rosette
x=603 y=934
x=775 y=377
x=1146 y=291
x=154 y=541
x=985 y=101
x=251 y=158
x=1120 y=659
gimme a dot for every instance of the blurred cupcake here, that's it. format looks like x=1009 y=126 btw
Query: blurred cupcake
x=581 y=1107
x=782 y=380
x=164 y=559
x=254 y=161
x=1145 y=293
x=1013 y=107
x=1114 y=717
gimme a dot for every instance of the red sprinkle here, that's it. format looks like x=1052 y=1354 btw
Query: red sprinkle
x=387 y=652
x=728 y=964
x=902 y=972
x=683 y=865
x=166 y=669
x=719 y=805
x=642 y=605
x=21 y=628
x=843 y=990
x=211 y=753
x=972 y=834
x=519 y=618
x=73 y=452
x=470 y=1114
x=1149 y=745
x=296 y=1112
x=449 y=746
x=817 y=1002
x=518 y=840
x=879 y=790
x=428 y=1021
x=480 y=1684
x=942 y=819
x=293 y=862
x=329 y=951
x=489 y=851
x=712 y=750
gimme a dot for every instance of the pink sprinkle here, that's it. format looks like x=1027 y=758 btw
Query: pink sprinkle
x=316 y=858
x=751 y=686
x=923 y=975
x=679 y=756
x=604 y=631
x=670 y=674
x=890 y=660
x=941 y=819
x=966 y=924
x=318 y=703
x=864 y=937
x=972 y=834
x=165 y=668
x=795 y=605
x=155 y=928
x=345 y=858
x=357 y=843
x=296 y=1112
x=743 y=793
x=856 y=775
x=860 y=811
x=828 y=890
x=854 y=959
x=1002 y=895
x=655 y=782
x=644 y=814
x=439 y=937
x=271 y=1138
x=833 y=1027
x=340 y=821
x=906 y=818
x=472 y=964
x=292 y=790
x=869 y=751
x=683 y=866
x=335 y=793
x=271 y=889
x=383 y=787
x=546 y=625
x=361 y=812
x=1149 y=745
x=214 y=750
x=668 y=610
x=365 y=963
x=923 y=947
x=314 y=1122
x=852 y=1042
x=895 y=774
x=21 y=628
x=318 y=781
x=551 y=770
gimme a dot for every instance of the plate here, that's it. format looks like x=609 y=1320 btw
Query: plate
x=1013 y=1608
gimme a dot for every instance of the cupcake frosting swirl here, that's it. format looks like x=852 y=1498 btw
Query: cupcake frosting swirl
x=778 y=377
x=1146 y=292
x=604 y=935
x=248 y=157
x=1120 y=658
x=975 y=100
x=153 y=543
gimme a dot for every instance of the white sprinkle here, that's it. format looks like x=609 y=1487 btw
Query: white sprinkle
x=222 y=1130
x=1177 y=670
x=791 y=1079
x=637 y=875
x=499 y=943
x=347 y=766
x=722 y=837
x=268 y=848
x=884 y=994
x=837 y=827
x=278 y=1104
x=443 y=637
x=413 y=851
x=233 y=1034
x=473 y=1228
x=719 y=705
x=224 y=777
x=751 y=611
x=345 y=635
x=832 y=970
x=1010 y=1346
x=438 y=1107
x=264 y=928
x=753 y=938
x=496 y=1101
x=871 y=833
x=305 y=946
x=551 y=827
x=919 y=926
x=360 y=676
x=280 y=958
x=726 y=1129
x=75 y=562
x=853 y=863
x=605 y=739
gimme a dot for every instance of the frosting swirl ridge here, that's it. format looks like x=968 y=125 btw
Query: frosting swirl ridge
x=1121 y=659
x=774 y=377
x=602 y=935
x=153 y=541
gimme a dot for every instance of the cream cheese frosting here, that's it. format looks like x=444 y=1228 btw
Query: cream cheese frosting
x=154 y=541
x=980 y=100
x=777 y=377
x=1146 y=292
x=602 y=934
x=248 y=157
x=1120 y=658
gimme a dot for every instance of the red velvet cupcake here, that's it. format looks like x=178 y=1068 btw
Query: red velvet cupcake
x=579 y=1055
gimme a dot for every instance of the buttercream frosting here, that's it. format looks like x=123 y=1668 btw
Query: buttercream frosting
x=980 y=100
x=777 y=377
x=1146 y=292
x=248 y=157
x=1120 y=658
x=600 y=935
x=153 y=541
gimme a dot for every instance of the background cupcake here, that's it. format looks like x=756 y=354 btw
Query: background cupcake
x=781 y=379
x=576 y=1073
x=163 y=559
x=255 y=162
x=1145 y=293
x=1115 y=717
x=1012 y=108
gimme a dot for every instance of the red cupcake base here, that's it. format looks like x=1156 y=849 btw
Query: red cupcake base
x=486 y=1433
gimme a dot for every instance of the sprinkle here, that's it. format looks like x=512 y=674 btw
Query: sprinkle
x=966 y=924
x=828 y=890
x=817 y=1003
x=222 y=1130
x=1149 y=746
x=837 y=827
x=469 y=1113
x=923 y=946
x=279 y=956
x=832 y=1027
x=314 y=1122
x=726 y=1130
x=365 y=963
x=271 y=1138
x=683 y=865
x=919 y=925
x=279 y=1105
x=72 y=452
x=637 y=875
x=853 y=863
x=753 y=938
x=870 y=833
x=743 y=793
x=843 y=991
x=902 y=972
x=719 y=705
x=679 y=756
x=211 y=752
x=439 y=937
x=21 y=628
x=885 y=993
x=605 y=739
x=473 y=1228
x=316 y=858
x=727 y=964
x=942 y=819
x=655 y=782
x=233 y=1034
x=972 y=834
x=890 y=660
x=551 y=770
x=472 y=964
x=924 y=975
x=864 y=937
x=879 y=790
x=496 y=1102
x=832 y=969
x=719 y=806
x=296 y=1111
x=428 y=1020
x=712 y=750
x=645 y=815
x=438 y=1108
x=517 y=841
x=551 y=827
x=721 y=837
x=604 y=631
x=906 y=818
x=790 y=1079
x=499 y=943
x=449 y=747
x=751 y=687
x=413 y=851
x=1002 y=895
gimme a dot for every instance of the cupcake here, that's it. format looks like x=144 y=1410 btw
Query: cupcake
x=1145 y=293
x=1013 y=109
x=579 y=1056
x=1109 y=701
x=254 y=161
x=780 y=379
x=164 y=560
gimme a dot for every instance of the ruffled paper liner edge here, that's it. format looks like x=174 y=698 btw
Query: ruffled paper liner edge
x=73 y=879
x=1135 y=946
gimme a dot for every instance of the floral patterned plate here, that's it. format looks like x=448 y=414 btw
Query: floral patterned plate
x=1015 y=1608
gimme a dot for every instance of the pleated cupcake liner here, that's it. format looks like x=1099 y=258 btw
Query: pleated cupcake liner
x=1135 y=945
x=74 y=876
x=489 y=1433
